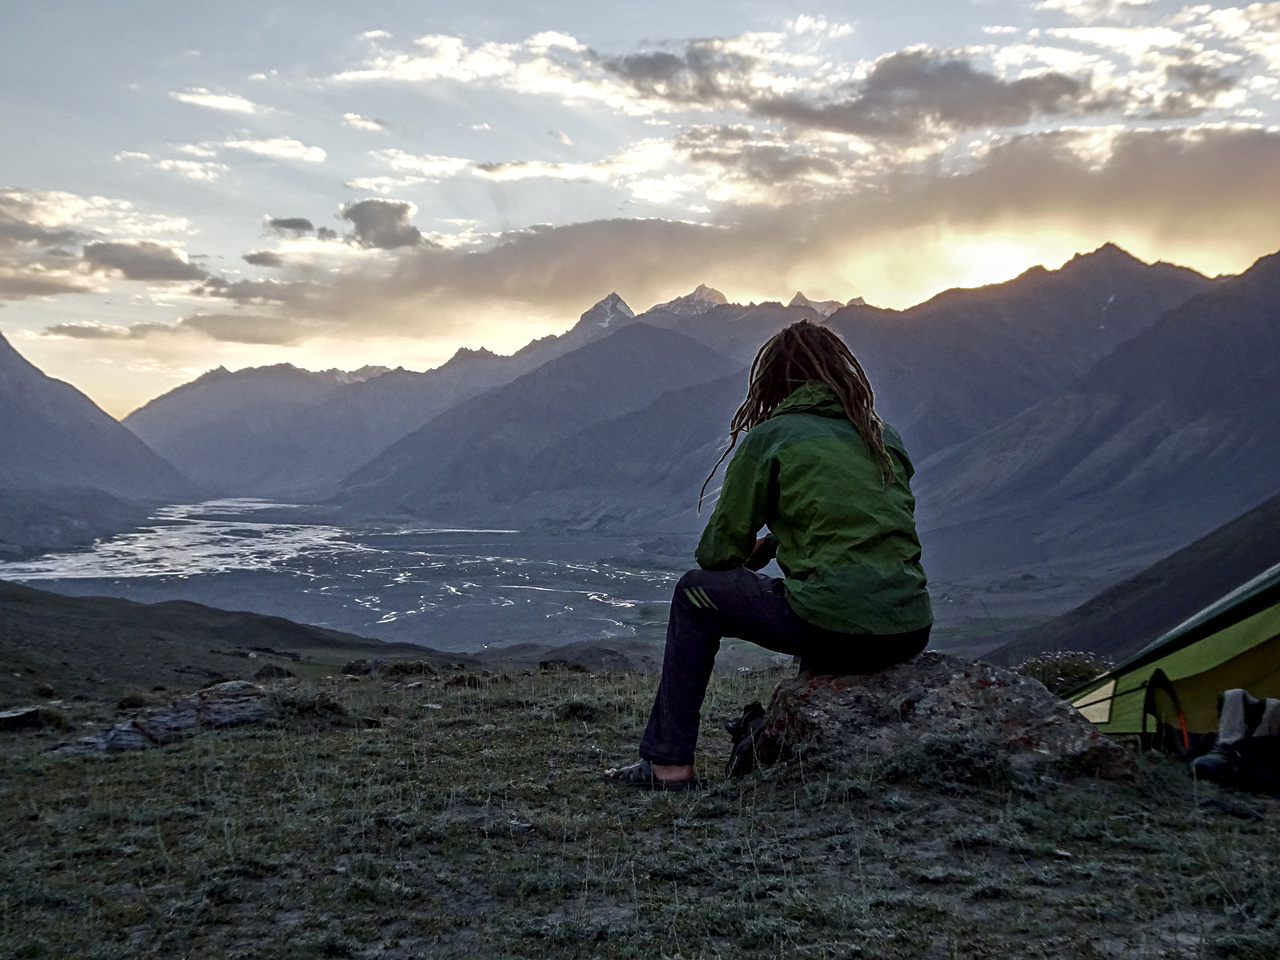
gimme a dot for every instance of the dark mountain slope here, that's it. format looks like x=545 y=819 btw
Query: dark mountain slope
x=477 y=453
x=642 y=469
x=1125 y=618
x=68 y=471
x=105 y=646
x=1172 y=434
x=1010 y=344
x=967 y=360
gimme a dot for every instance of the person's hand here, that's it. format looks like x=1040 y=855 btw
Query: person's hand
x=764 y=551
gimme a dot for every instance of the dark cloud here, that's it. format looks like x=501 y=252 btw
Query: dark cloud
x=1196 y=87
x=326 y=233
x=703 y=73
x=382 y=223
x=252 y=291
x=264 y=258
x=294 y=226
x=141 y=260
x=917 y=92
x=906 y=94
x=741 y=150
x=14 y=231
x=227 y=328
x=1211 y=188
x=21 y=281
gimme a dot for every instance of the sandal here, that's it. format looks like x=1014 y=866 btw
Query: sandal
x=641 y=776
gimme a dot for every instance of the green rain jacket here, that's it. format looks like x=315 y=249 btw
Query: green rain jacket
x=846 y=541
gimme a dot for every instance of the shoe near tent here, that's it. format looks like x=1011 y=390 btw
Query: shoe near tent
x=1171 y=686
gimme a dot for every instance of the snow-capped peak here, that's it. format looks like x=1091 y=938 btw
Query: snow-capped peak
x=691 y=304
x=608 y=312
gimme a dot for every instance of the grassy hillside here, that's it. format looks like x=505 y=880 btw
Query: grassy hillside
x=105 y=647
x=472 y=822
x=1122 y=620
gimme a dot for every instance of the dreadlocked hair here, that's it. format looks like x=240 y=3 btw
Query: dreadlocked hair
x=792 y=357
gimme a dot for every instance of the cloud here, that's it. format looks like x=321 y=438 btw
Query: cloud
x=222 y=327
x=264 y=258
x=22 y=281
x=1189 y=191
x=142 y=260
x=37 y=231
x=282 y=147
x=206 y=171
x=428 y=166
x=363 y=123
x=1093 y=9
x=382 y=223
x=217 y=101
x=290 y=226
x=922 y=92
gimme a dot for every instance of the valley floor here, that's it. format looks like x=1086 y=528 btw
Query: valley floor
x=467 y=818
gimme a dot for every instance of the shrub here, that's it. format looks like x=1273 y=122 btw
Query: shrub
x=1063 y=670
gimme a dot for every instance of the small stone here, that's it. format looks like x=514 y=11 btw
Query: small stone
x=416 y=685
x=44 y=690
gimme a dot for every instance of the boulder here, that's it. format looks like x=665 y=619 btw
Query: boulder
x=229 y=704
x=932 y=716
x=20 y=718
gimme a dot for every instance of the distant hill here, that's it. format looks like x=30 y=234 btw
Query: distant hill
x=105 y=647
x=1122 y=620
x=476 y=455
x=1172 y=434
x=68 y=471
x=279 y=431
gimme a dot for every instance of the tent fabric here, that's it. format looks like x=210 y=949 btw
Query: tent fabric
x=1232 y=643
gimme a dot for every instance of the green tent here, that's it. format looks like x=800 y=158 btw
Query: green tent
x=1176 y=679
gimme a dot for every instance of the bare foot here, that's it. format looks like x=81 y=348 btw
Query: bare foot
x=673 y=772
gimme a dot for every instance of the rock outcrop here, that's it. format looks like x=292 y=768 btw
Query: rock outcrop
x=230 y=704
x=930 y=717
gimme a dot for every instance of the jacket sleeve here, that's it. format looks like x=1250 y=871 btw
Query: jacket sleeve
x=730 y=535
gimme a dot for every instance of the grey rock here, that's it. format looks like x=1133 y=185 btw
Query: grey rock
x=864 y=722
x=232 y=703
x=20 y=718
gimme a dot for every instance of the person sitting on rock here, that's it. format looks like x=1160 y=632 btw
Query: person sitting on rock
x=829 y=479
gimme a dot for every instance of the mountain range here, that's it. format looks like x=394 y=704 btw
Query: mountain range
x=1103 y=413
x=1170 y=435
x=282 y=432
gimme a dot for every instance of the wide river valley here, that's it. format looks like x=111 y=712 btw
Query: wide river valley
x=449 y=588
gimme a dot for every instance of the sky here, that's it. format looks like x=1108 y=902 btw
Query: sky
x=334 y=185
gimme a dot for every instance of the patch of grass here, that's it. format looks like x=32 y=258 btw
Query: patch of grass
x=473 y=821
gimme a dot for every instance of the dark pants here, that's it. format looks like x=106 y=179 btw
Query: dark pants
x=711 y=604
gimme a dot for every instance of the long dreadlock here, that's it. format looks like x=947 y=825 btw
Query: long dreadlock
x=794 y=356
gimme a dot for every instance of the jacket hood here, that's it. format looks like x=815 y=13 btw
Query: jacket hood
x=814 y=397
